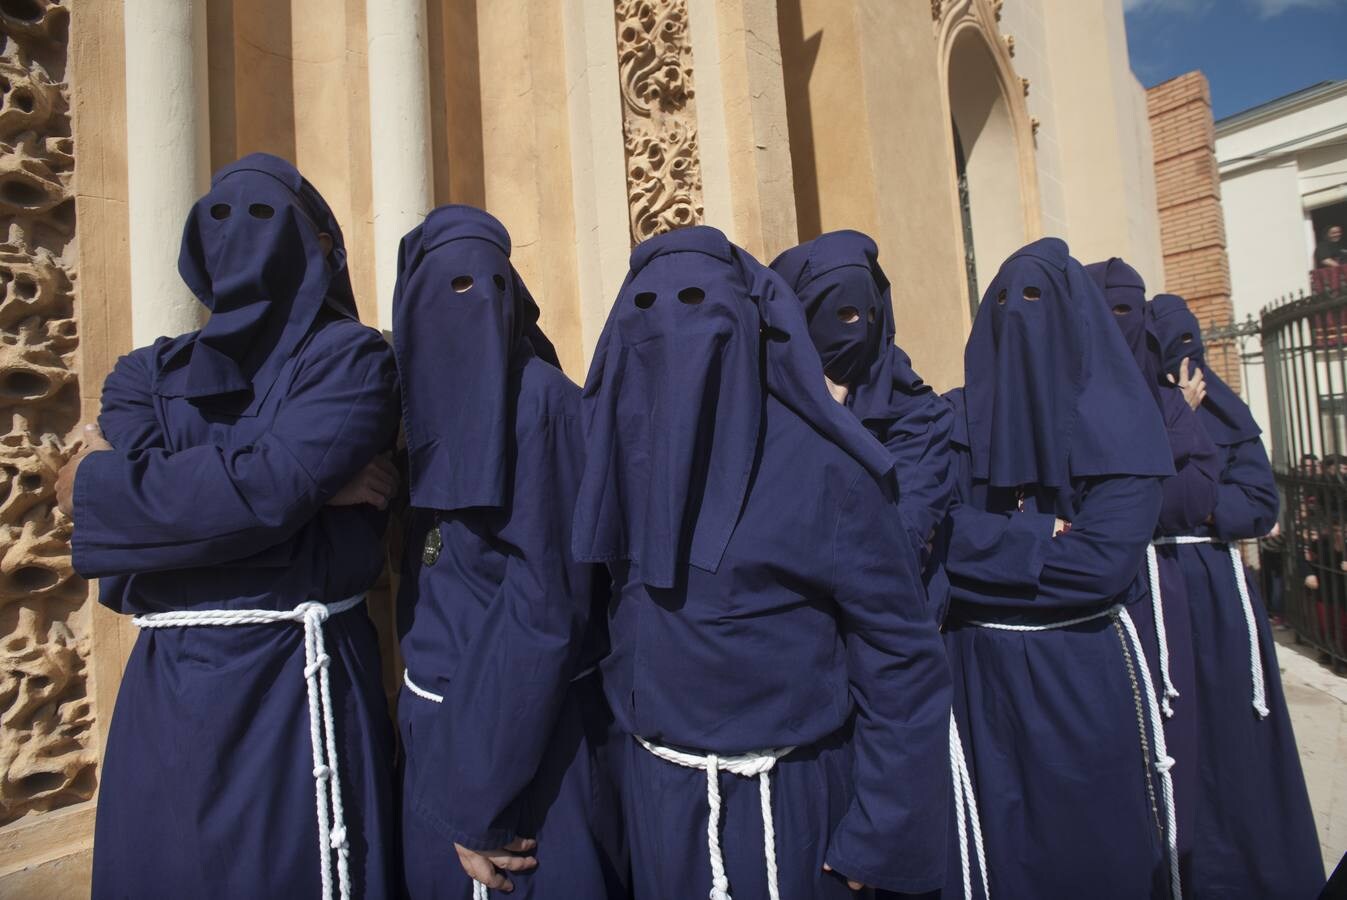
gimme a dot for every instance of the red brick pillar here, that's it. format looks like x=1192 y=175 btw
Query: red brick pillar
x=1188 y=193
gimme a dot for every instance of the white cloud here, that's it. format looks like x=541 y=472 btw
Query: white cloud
x=1172 y=6
x=1268 y=8
x=1265 y=9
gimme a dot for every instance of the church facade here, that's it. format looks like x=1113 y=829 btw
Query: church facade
x=952 y=131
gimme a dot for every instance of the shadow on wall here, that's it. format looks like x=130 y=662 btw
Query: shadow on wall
x=800 y=54
x=252 y=92
x=456 y=102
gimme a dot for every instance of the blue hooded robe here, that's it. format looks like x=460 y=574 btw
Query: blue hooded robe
x=228 y=443
x=504 y=725
x=1189 y=498
x=1254 y=832
x=772 y=657
x=1063 y=741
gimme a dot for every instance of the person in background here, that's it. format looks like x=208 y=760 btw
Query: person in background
x=773 y=661
x=1059 y=456
x=1189 y=498
x=1331 y=251
x=503 y=721
x=236 y=510
x=1249 y=770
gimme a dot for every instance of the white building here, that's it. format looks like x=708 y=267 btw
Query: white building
x=1283 y=169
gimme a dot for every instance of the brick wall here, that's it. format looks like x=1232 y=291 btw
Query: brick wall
x=1188 y=191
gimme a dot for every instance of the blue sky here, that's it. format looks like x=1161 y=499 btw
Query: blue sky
x=1251 y=50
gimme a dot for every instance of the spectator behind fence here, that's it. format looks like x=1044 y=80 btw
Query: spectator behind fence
x=1331 y=251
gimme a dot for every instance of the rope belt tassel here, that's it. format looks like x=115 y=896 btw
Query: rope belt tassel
x=322 y=724
x=1161 y=637
x=746 y=765
x=966 y=814
x=1163 y=761
x=1242 y=585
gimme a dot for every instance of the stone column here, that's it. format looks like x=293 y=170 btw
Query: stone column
x=400 y=141
x=598 y=165
x=168 y=156
x=740 y=114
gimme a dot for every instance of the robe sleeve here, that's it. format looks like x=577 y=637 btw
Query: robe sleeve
x=919 y=443
x=155 y=510
x=509 y=686
x=1190 y=493
x=900 y=685
x=1246 y=506
x=128 y=419
x=1091 y=564
x=998 y=548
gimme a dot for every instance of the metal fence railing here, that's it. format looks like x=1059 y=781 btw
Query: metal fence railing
x=1304 y=567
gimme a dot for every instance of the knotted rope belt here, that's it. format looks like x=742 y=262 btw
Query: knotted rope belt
x=966 y=814
x=745 y=765
x=1161 y=637
x=322 y=726
x=1163 y=762
x=1255 y=656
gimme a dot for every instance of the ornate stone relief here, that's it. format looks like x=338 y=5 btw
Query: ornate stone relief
x=47 y=758
x=659 y=117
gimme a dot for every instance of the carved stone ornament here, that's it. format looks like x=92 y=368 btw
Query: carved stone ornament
x=47 y=757
x=659 y=117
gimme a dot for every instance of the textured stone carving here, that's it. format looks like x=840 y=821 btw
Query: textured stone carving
x=935 y=10
x=47 y=757
x=659 y=118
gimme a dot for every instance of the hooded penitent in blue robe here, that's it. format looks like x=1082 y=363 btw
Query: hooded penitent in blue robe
x=228 y=443
x=767 y=597
x=1189 y=498
x=1254 y=834
x=503 y=721
x=1055 y=422
x=850 y=313
x=849 y=309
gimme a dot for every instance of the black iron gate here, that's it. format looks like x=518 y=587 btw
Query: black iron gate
x=1304 y=344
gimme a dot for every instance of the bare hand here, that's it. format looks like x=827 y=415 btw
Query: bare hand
x=1192 y=382
x=1312 y=582
x=854 y=885
x=1060 y=527
x=375 y=485
x=92 y=442
x=838 y=391
x=485 y=866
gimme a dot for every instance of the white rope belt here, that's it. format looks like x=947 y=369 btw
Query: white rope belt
x=322 y=726
x=1255 y=656
x=1163 y=761
x=426 y=694
x=1161 y=636
x=479 y=890
x=745 y=765
x=966 y=814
